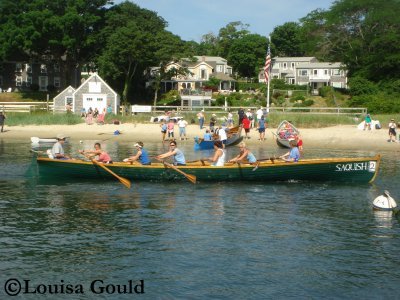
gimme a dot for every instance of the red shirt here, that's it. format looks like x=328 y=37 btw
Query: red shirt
x=246 y=123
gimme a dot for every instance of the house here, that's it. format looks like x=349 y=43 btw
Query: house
x=93 y=93
x=308 y=71
x=192 y=86
x=25 y=76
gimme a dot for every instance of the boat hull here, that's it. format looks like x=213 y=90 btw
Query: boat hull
x=37 y=140
x=234 y=139
x=284 y=141
x=362 y=170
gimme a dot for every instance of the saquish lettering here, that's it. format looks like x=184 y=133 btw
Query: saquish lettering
x=352 y=167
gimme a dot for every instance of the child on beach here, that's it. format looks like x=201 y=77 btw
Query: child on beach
x=392 y=131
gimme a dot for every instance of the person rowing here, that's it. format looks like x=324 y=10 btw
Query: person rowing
x=218 y=160
x=141 y=155
x=178 y=156
x=293 y=155
x=57 y=152
x=103 y=156
x=245 y=155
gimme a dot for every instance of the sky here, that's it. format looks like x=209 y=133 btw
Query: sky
x=191 y=19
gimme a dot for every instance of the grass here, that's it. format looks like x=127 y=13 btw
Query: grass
x=301 y=120
x=26 y=96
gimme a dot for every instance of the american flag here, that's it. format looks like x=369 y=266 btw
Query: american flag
x=267 y=65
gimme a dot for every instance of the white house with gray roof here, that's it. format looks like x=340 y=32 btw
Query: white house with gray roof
x=308 y=70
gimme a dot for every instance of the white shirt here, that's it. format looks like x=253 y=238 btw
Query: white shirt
x=182 y=123
x=221 y=160
x=222 y=134
x=260 y=113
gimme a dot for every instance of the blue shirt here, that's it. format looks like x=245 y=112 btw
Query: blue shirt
x=179 y=158
x=261 y=123
x=251 y=158
x=144 y=158
x=207 y=137
x=294 y=153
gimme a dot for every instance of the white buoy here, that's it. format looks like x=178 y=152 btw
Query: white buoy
x=384 y=202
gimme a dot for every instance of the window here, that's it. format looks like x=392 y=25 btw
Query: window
x=325 y=72
x=28 y=68
x=315 y=72
x=57 y=82
x=291 y=81
x=43 y=68
x=303 y=73
x=68 y=100
x=57 y=68
x=284 y=65
x=189 y=85
x=184 y=85
x=292 y=65
x=18 y=81
x=99 y=99
x=89 y=99
x=336 y=72
x=28 y=81
x=220 y=68
x=203 y=74
x=18 y=67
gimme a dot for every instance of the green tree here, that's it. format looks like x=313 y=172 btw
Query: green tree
x=228 y=34
x=247 y=54
x=287 y=40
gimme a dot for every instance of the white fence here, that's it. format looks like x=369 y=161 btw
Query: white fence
x=26 y=106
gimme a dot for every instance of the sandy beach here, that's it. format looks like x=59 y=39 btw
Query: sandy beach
x=336 y=137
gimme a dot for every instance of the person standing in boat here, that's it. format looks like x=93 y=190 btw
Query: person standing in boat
x=179 y=158
x=245 y=155
x=293 y=155
x=218 y=160
x=57 y=152
x=103 y=156
x=141 y=155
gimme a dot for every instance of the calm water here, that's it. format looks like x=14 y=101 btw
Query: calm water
x=209 y=241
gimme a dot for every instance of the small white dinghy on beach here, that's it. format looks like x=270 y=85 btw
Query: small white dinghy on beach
x=37 y=140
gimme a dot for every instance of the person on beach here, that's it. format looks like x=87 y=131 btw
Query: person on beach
x=89 y=117
x=170 y=128
x=201 y=118
x=57 y=152
x=241 y=115
x=141 y=155
x=392 y=131
x=293 y=155
x=246 y=126
x=367 y=122
x=222 y=134
x=213 y=120
x=230 y=119
x=261 y=128
x=2 y=119
x=245 y=155
x=218 y=160
x=103 y=156
x=178 y=156
x=182 y=129
x=164 y=128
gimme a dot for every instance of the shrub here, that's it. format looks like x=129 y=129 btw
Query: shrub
x=34 y=87
x=361 y=86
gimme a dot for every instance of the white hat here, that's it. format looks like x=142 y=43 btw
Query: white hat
x=61 y=136
x=137 y=145
x=214 y=115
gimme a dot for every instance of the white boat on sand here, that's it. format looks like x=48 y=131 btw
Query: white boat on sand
x=37 y=140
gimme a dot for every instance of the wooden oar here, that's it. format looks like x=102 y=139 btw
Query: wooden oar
x=123 y=180
x=190 y=177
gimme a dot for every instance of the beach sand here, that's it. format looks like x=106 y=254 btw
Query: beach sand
x=335 y=137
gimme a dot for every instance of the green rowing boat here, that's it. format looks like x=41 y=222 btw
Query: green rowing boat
x=362 y=170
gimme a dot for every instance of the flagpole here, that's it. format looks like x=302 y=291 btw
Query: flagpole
x=269 y=47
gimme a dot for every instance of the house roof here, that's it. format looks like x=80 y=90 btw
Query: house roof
x=65 y=90
x=320 y=65
x=294 y=59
